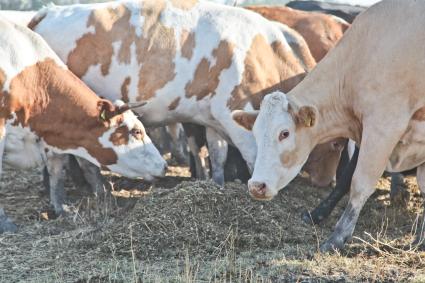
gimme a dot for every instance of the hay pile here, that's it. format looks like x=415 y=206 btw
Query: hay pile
x=200 y=218
x=195 y=232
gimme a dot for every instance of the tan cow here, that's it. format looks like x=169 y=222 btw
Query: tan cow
x=369 y=88
x=52 y=112
x=320 y=31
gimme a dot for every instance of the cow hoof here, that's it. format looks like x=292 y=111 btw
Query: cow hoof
x=311 y=218
x=63 y=210
x=334 y=243
x=419 y=241
x=219 y=181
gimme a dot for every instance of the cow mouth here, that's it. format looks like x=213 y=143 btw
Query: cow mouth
x=260 y=197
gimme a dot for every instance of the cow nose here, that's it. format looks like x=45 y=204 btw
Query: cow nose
x=257 y=189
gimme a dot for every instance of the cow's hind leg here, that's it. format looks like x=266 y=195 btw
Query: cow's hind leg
x=217 y=148
x=324 y=209
x=371 y=164
x=195 y=140
x=420 y=232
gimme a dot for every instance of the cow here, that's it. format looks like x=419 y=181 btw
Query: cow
x=167 y=60
x=343 y=11
x=376 y=95
x=398 y=192
x=18 y=17
x=320 y=31
x=49 y=112
x=158 y=51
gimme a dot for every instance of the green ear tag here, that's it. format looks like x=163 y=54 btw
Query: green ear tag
x=103 y=115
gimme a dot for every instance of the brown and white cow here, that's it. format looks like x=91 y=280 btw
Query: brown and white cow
x=194 y=61
x=320 y=31
x=18 y=17
x=48 y=111
x=376 y=98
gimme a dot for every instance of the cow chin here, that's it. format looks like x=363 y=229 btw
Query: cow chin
x=266 y=186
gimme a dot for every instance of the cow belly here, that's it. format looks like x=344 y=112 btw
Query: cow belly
x=410 y=151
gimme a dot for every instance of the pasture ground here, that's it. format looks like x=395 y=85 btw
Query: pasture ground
x=179 y=230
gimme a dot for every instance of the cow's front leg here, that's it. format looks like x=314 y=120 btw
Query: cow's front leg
x=373 y=157
x=6 y=224
x=93 y=176
x=217 y=149
x=420 y=231
x=55 y=165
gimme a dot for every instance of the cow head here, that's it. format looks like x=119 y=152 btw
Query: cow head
x=136 y=154
x=111 y=137
x=283 y=136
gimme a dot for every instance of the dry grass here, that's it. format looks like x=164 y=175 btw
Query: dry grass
x=185 y=231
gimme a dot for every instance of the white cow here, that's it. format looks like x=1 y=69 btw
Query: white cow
x=50 y=112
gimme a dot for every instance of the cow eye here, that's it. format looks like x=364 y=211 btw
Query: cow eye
x=283 y=135
x=137 y=133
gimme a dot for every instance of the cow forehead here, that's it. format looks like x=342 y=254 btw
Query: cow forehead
x=131 y=121
x=272 y=111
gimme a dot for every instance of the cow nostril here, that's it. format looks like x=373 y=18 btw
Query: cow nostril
x=261 y=188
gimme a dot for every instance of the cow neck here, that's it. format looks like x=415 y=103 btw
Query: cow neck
x=327 y=89
x=58 y=107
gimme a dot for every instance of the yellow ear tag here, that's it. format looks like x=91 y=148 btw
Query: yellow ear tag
x=103 y=115
x=308 y=122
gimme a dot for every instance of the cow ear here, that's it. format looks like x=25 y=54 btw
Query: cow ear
x=106 y=109
x=306 y=116
x=244 y=118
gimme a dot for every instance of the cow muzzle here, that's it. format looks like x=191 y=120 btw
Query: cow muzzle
x=259 y=190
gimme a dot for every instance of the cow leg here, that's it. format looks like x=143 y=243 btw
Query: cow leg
x=2 y=143
x=93 y=177
x=6 y=224
x=196 y=139
x=420 y=232
x=235 y=167
x=177 y=147
x=371 y=165
x=55 y=166
x=217 y=148
x=324 y=209
x=343 y=162
x=200 y=166
x=77 y=175
x=398 y=194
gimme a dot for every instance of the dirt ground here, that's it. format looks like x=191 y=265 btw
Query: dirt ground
x=180 y=230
